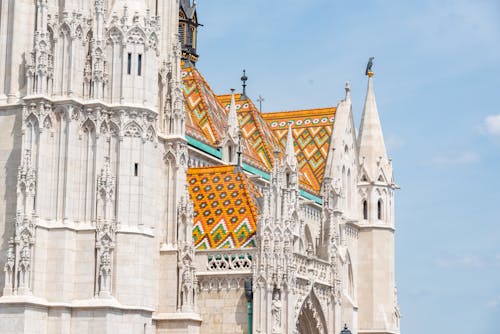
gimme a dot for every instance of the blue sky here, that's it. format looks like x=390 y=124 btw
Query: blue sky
x=437 y=82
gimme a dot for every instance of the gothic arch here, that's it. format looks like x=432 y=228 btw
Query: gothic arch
x=88 y=125
x=153 y=41
x=311 y=318
x=133 y=130
x=136 y=35
x=115 y=35
x=349 y=276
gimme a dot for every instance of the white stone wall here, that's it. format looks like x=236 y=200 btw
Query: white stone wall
x=10 y=157
x=223 y=311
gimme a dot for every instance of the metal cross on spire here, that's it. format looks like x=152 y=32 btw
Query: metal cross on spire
x=260 y=99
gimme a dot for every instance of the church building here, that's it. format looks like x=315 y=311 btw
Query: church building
x=134 y=199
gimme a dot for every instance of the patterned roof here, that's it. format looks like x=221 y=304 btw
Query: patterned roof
x=225 y=211
x=259 y=141
x=312 y=130
x=206 y=118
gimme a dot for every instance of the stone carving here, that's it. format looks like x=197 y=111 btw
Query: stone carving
x=105 y=244
x=105 y=229
x=241 y=261
x=276 y=311
x=221 y=283
x=188 y=283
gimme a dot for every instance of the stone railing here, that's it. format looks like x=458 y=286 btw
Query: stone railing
x=222 y=260
x=223 y=269
x=314 y=268
x=351 y=231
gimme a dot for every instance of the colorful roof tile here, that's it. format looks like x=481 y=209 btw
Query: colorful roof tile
x=206 y=118
x=312 y=131
x=259 y=141
x=225 y=207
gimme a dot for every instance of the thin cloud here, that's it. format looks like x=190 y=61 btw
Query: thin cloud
x=466 y=261
x=394 y=143
x=460 y=158
x=492 y=125
x=494 y=303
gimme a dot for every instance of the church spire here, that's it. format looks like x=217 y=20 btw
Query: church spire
x=371 y=146
x=232 y=119
x=290 y=156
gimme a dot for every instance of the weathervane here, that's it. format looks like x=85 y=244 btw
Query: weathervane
x=369 y=71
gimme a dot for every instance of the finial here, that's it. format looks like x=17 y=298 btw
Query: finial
x=260 y=99
x=289 y=149
x=369 y=66
x=347 y=90
x=232 y=118
x=239 y=150
x=244 y=79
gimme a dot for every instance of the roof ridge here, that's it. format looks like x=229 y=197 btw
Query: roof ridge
x=207 y=169
x=299 y=110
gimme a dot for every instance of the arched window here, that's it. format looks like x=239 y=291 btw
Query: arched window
x=365 y=210
x=230 y=153
x=379 y=209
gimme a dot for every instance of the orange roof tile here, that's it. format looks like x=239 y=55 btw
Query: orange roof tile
x=225 y=210
x=206 y=118
x=259 y=141
x=312 y=130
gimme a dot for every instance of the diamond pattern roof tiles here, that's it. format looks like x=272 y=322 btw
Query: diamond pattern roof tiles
x=225 y=211
x=312 y=131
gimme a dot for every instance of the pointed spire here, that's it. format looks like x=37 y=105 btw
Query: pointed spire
x=232 y=118
x=290 y=156
x=371 y=140
x=347 y=91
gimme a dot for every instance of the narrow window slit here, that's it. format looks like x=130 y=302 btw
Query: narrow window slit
x=139 y=65
x=129 y=63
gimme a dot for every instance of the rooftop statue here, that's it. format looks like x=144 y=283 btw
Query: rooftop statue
x=369 y=65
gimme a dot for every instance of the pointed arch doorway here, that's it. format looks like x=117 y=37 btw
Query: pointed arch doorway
x=311 y=319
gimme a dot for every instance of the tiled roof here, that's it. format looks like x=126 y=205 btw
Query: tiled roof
x=206 y=118
x=259 y=141
x=312 y=131
x=225 y=207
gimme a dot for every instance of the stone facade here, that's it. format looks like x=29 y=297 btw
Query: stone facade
x=96 y=214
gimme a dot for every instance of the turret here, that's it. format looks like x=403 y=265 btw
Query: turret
x=378 y=310
x=188 y=31
x=371 y=146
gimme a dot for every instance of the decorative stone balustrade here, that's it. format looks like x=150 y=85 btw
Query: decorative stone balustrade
x=224 y=261
x=316 y=269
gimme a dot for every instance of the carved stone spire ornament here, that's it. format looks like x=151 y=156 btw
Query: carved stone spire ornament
x=187 y=282
x=105 y=229
x=290 y=156
x=19 y=255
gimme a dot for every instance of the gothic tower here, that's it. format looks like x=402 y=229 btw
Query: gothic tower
x=188 y=31
x=80 y=99
x=378 y=308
